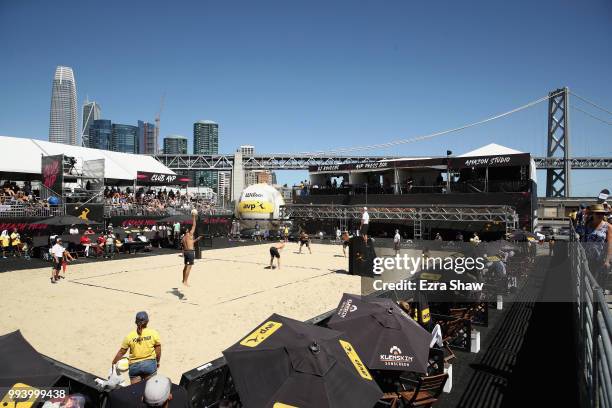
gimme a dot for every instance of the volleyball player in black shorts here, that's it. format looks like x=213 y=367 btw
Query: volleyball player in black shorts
x=304 y=240
x=275 y=253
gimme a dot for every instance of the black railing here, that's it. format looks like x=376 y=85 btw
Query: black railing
x=593 y=322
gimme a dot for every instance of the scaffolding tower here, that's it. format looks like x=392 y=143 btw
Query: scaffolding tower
x=415 y=214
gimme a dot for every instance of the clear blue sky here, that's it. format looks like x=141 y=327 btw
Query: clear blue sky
x=291 y=76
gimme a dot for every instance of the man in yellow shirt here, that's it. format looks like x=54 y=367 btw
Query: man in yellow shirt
x=16 y=243
x=145 y=350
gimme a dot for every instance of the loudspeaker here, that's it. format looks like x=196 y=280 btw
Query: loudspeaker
x=361 y=257
x=209 y=385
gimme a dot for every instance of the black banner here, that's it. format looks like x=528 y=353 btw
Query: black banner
x=521 y=159
x=52 y=172
x=160 y=179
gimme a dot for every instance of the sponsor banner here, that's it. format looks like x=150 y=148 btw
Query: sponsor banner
x=521 y=159
x=160 y=179
x=490 y=161
x=395 y=358
x=256 y=206
x=261 y=334
x=24 y=224
x=357 y=363
x=52 y=172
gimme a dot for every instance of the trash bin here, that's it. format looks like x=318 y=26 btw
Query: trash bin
x=198 y=250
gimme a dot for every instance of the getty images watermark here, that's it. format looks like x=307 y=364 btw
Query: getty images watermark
x=412 y=265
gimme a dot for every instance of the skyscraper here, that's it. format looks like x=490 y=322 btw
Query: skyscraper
x=124 y=138
x=100 y=133
x=175 y=144
x=91 y=112
x=224 y=186
x=206 y=141
x=63 y=117
x=147 y=138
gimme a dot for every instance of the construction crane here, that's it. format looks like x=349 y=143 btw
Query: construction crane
x=157 y=119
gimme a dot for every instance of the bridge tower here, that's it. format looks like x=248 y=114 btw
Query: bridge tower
x=558 y=180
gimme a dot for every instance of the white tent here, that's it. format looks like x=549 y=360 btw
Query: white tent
x=492 y=149
x=21 y=155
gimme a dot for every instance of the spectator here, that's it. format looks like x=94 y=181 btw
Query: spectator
x=144 y=345
x=160 y=392
x=16 y=243
x=598 y=236
x=109 y=244
x=86 y=242
x=4 y=242
x=397 y=240
x=57 y=257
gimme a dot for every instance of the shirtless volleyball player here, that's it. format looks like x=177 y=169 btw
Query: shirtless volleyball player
x=274 y=253
x=188 y=249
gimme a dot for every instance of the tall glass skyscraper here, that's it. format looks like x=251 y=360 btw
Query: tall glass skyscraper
x=91 y=112
x=206 y=141
x=147 y=138
x=63 y=118
x=124 y=138
x=100 y=133
x=175 y=144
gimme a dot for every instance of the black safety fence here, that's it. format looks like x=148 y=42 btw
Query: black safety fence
x=593 y=326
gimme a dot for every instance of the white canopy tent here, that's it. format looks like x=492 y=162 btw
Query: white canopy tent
x=492 y=149
x=20 y=155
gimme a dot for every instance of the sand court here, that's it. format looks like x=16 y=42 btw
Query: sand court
x=82 y=320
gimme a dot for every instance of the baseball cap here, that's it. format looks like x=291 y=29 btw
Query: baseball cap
x=142 y=316
x=157 y=390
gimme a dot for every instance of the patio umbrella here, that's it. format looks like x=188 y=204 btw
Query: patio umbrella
x=66 y=220
x=384 y=334
x=285 y=361
x=20 y=363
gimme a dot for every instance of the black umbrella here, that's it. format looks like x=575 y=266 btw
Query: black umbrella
x=21 y=363
x=384 y=334
x=66 y=220
x=285 y=361
x=131 y=396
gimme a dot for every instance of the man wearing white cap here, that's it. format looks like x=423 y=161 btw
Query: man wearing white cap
x=157 y=392
x=365 y=223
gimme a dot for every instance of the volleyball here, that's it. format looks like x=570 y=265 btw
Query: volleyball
x=194 y=212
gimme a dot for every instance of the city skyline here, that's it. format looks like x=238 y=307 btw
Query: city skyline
x=293 y=78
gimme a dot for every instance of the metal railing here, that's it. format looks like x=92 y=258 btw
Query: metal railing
x=23 y=210
x=594 y=328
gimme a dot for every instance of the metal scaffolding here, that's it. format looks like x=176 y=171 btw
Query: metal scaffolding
x=416 y=214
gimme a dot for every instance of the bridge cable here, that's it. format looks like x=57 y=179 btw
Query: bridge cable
x=593 y=116
x=590 y=103
x=431 y=135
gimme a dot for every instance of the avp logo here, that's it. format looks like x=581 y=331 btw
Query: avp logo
x=354 y=358
x=260 y=334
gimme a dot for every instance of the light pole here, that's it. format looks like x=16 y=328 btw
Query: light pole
x=448 y=185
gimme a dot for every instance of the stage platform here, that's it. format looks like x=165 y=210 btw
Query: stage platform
x=82 y=319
